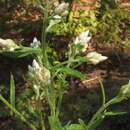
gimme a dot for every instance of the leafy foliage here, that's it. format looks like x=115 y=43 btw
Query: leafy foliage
x=111 y=26
x=48 y=79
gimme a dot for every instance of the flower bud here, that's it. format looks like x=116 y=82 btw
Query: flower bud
x=61 y=8
x=57 y=17
x=36 y=66
x=95 y=57
x=83 y=40
x=35 y=43
x=40 y=73
x=8 y=45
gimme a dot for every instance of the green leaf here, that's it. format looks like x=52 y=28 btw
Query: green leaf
x=70 y=71
x=21 y=52
x=17 y=113
x=12 y=92
x=97 y=122
x=74 y=127
x=82 y=59
x=55 y=123
x=81 y=122
x=114 y=113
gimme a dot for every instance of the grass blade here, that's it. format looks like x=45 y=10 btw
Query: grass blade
x=69 y=71
x=17 y=113
x=103 y=92
x=12 y=92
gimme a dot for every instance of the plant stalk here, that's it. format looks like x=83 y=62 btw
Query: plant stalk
x=44 y=35
x=17 y=113
x=102 y=109
x=39 y=107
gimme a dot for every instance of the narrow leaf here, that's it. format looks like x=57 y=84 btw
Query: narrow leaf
x=12 y=92
x=21 y=52
x=70 y=71
x=82 y=123
x=74 y=127
x=114 y=113
x=97 y=122
x=55 y=123
x=17 y=113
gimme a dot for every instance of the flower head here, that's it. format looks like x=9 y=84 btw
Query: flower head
x=61 y=8
x=36 y=65
x=35 y=43
x=95 y=57
x=57 y=17
x=8 y=45
x=40 y=73
x=83 y=40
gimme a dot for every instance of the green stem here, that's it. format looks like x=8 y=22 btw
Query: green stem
x=66 y=62
x=103 y=92
x=17 y=113
x=44 y=35
x=72 y=53
x=39 y=107
x=101 y=110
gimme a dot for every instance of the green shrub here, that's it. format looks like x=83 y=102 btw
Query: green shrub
x=111 y=25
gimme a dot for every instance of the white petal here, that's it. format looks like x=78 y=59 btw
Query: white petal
x=8 y=45
x=35 y=65
x=57 y=17
x=88 y=39
x=2 y=41
x=35 y=43
x=30 y=68
x=61 y=8
x=76 y=41
x=87 y=32
x=35 y=39
x=95 y=57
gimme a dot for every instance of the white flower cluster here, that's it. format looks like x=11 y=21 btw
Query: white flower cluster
x=62 y=9
x=83 y=40
x=95 y=57
x=7 y=45
x=59 y=12
x=35 y=43
x=40 y=73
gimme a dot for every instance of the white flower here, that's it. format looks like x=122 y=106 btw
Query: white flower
x=35 y=43
x=35 y=69
x=36 y=66
x=83 y=40
x=57 y=17
x=61 y=8
x=36 y=87
x=65 y=13
x=35 y=39
x=8 y=45
x=41 y=73
x=95 y=57
x=56 y=3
